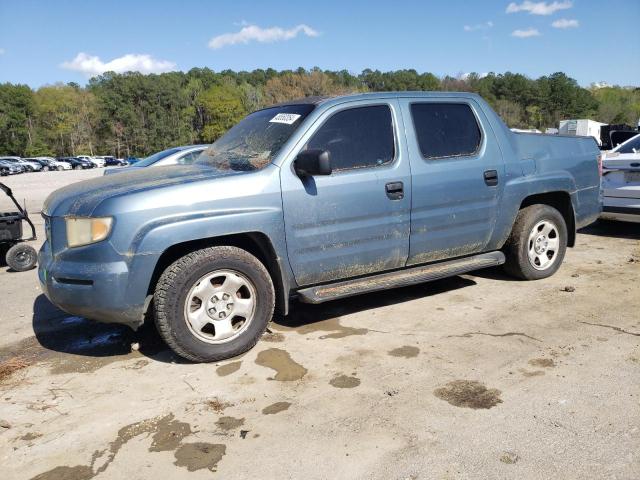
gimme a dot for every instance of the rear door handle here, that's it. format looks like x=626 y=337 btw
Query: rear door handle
x=395 y=190
x=491 y=177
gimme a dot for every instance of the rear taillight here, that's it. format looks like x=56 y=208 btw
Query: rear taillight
x=600 y=164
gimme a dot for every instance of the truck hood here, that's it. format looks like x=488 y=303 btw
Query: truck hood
x=80 y=199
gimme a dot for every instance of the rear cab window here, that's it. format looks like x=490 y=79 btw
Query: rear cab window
x=358 y=137
x=446 y=130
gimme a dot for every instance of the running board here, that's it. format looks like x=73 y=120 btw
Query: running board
x=399 y=278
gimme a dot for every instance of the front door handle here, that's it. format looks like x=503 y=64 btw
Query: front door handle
x=491 y=177
x=395 y=190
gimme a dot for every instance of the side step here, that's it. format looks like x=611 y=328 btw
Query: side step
x=399 y=278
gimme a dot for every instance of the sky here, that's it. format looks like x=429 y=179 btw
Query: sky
x=44 y=42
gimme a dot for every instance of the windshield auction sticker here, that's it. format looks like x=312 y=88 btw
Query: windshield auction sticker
x=287 y=118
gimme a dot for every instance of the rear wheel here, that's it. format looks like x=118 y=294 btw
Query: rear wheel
x=537 y=244
x=78 y=167
x=45 y=168
x=21 y=257
x=60 y=168
x=213 y=303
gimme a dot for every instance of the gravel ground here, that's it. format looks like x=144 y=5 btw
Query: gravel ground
x=477 y=376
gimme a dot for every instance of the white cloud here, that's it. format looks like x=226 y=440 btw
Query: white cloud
x=480 y=26
x=565 y=23
x=131 y=62
x=249 y=33
x=529 y=32
x=2 y=50
x=539 y=8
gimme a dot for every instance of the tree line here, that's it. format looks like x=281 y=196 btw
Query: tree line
x=133 y=114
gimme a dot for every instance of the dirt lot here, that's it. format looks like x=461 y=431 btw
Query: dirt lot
x=477 y=376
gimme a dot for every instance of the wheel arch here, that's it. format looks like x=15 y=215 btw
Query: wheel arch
x=561 y=201
x=256 y=243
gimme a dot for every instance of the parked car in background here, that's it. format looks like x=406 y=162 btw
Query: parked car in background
x=27 y=165
x=115 y=162
x=97 y=161
x=50 y=163
x=171 y=156
x=10 y=168
x=621 y=182
x=318 y=200
x=78 y=163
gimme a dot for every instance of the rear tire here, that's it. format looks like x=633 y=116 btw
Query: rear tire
x=77 y=167
x=214 y=303
x=21 y=257
x=537 y=244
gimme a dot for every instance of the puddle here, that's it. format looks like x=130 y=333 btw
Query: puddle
x=79 y=472
x=229 y=423
x=406 y=352
x=228 y=368
x=199 y=455
x=276 y=408
x=468 y=394
x=332 y=325
x=167 y=435
x=287 y=370
x=542 y=362
x=344 y=381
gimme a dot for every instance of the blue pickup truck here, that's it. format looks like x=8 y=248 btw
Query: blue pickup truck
x=317 y=199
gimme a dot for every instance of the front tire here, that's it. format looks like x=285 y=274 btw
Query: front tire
x=537 y=244
x=214 y=303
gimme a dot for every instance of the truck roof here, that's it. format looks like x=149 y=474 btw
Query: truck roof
x=319 y=100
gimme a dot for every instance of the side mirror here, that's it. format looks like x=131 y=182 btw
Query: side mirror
x=312 y=162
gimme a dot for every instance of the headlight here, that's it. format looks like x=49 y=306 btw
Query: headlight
x=83 y=231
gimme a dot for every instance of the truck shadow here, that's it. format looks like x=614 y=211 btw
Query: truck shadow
x=302 y=314
x=60 y=332
x=609 y=228
x=57 y=331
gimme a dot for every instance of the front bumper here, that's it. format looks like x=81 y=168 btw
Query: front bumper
x=94 y=290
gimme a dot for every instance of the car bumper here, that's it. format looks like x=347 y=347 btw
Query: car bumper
x=97 y=291
x=624 y=206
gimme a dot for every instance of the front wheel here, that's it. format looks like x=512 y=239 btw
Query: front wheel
x=537 y=244
x=213 y=303
x=78 y=167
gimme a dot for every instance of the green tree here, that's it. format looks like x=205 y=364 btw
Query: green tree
x=16 y=119
x=223 y=108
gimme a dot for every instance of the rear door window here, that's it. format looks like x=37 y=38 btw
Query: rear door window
x=445 y=130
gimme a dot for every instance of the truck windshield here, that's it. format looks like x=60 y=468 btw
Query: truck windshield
x=252 y=143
